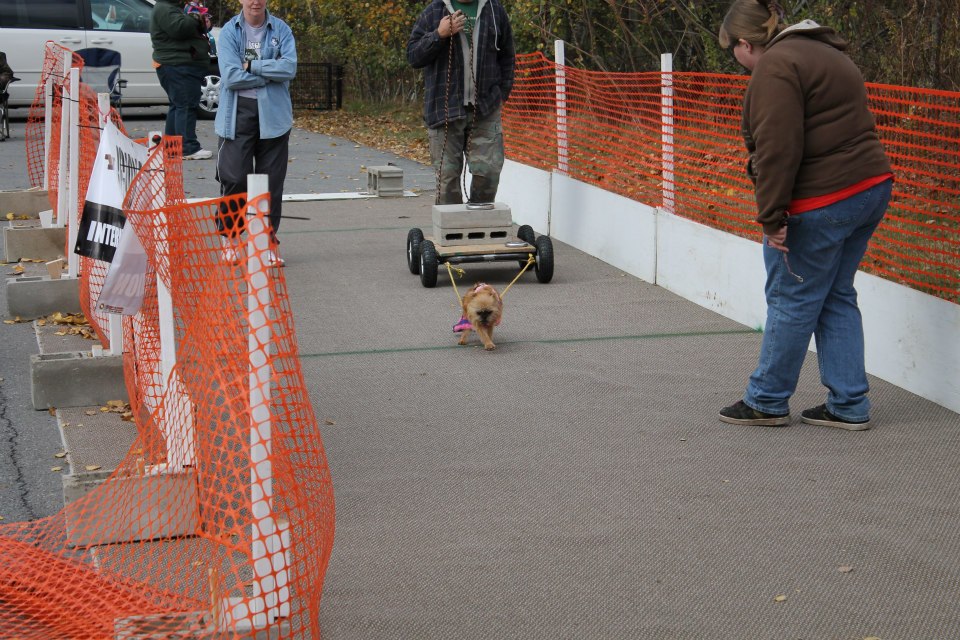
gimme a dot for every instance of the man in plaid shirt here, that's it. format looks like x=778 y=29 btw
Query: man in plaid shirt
x=465 y=48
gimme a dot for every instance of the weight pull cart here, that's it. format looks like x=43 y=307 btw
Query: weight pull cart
x=424 y=255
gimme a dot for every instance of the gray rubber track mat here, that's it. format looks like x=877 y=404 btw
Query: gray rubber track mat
x=576 y=483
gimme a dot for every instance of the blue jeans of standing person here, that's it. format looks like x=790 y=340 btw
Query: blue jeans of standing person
x=182 y=83
x=810 y=291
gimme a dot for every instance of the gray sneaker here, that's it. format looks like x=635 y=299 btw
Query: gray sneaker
x=821 y=417
x=202 y=154
x=740 y=413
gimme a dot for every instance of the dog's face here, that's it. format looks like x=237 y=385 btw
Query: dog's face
x=482 y=306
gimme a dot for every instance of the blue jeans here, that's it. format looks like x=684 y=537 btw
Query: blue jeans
x=182 y=83
x=818 y=298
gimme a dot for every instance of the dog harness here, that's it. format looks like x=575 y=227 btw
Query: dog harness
x=463 y=324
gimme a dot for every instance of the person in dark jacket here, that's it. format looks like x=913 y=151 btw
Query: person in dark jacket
x=466 y=51
x=6 y=73
x=822 y=183
x=181 y=53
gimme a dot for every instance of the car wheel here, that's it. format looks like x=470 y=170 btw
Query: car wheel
x=544 y=263
x=414 y=238
x=209 y=97
x=428 y=264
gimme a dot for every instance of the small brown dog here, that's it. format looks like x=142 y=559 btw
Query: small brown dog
x=482 y=311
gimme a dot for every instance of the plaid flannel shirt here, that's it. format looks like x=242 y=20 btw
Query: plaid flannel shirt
x=494 y=61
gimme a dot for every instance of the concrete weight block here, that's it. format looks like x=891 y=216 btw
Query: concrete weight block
x=385 y=181
x=37 y=296
x=465 y=216
x=75 y=379
x=29 y=202
x=100 y=509
x=461 y=236
x=38 y=243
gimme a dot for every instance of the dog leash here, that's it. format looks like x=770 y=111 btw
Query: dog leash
x=530 y=261
x=461 y=273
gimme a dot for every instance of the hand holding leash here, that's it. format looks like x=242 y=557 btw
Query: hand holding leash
x=451 y=24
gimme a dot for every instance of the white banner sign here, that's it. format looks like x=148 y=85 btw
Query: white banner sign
x=118 y=160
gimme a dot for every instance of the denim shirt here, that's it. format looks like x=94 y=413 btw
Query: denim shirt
x=270 y=76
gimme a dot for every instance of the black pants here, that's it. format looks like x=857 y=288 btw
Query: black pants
x=249 y=153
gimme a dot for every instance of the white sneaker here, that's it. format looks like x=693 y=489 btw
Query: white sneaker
x=202 y=154
x=229 y=252
x=273 y=259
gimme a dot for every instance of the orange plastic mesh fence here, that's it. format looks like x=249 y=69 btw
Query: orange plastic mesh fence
x=37 y=160
x=219 y=521
x=92 y=272
x=613 y=136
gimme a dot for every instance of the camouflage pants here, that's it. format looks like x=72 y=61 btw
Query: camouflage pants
x=481 y=141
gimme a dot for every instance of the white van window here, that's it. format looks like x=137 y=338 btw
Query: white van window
x=39 y=14
x=120 y=15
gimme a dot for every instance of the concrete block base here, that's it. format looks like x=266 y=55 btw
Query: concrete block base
x=385 y=181
x=37 y=243
x=191 y=624
x=465 y=216
x=104 y=510
x=31 y=297
x=75 y=379
x=467 y=224
x=29 y=202
x=475 y=235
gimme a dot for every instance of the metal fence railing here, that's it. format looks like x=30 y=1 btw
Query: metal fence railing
x=318 y=85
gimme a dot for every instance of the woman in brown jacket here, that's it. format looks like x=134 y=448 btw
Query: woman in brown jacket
x=822 y=183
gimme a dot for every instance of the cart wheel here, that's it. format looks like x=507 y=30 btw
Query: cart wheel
x=428 y=264
x=414 y=238
x=525 y=233
x=544 y=264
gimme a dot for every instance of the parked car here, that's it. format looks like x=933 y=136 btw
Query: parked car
x=123 y=25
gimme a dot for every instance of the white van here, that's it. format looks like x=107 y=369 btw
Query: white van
x=122 y=25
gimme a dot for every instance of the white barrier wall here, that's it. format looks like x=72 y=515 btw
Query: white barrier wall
x=912 y=338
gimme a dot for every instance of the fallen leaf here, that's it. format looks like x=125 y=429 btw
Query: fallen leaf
x=90 y=413
x=52 y=411
x=329 y=421
x=92 y=467
x=17 y=270
x=845 y=569
x=56 y=468
x=10 y=216
x=780 y=598
x=62 y=454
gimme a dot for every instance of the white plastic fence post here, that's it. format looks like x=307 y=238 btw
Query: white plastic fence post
x=73 y=187
x=47 y=122
x=62 y=161
x=561 y=89
x=270 y=535
x=114 y=320
x=180 y=447
x=666 y=135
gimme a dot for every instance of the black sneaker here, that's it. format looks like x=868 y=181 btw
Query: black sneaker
x=820 y=416
x=740 y=413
